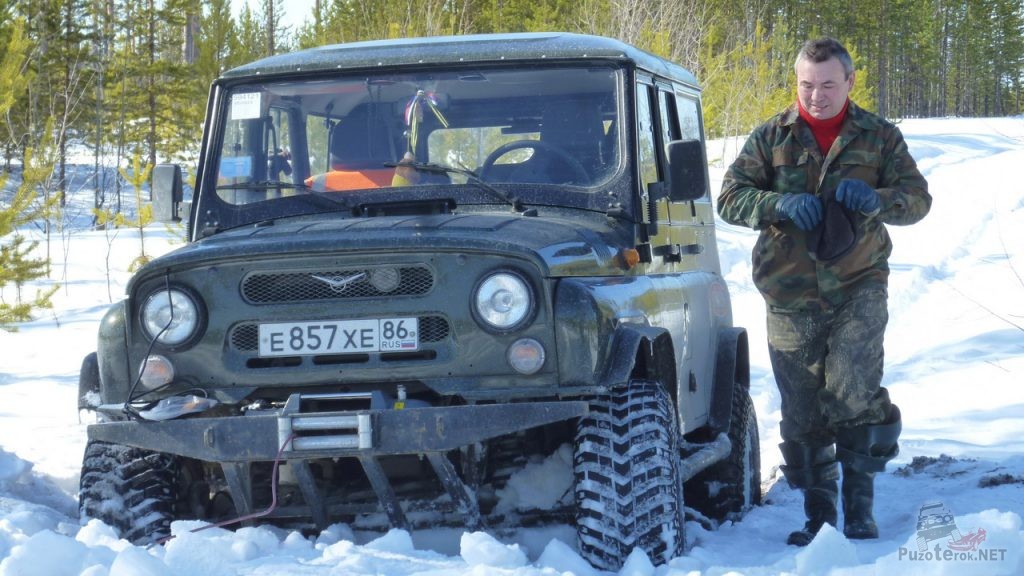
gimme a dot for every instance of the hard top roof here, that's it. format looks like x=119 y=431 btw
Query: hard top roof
x=471 y=48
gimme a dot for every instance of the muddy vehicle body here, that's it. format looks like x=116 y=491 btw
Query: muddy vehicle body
x=414 y=265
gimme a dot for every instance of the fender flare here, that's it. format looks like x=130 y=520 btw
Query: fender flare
x=636 y=347
x=88 y=380
x=732 y=366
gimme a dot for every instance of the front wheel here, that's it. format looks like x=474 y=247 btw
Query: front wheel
x=132 y=490
x=626 y=466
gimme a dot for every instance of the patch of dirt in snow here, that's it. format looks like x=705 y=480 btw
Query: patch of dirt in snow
x=945 y=466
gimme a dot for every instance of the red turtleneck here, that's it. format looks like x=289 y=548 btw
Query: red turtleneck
x=825 y=131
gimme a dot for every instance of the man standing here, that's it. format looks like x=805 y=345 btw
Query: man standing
x=820 y=181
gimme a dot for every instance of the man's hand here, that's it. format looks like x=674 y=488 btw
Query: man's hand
x=858 y=196
x=803 y=209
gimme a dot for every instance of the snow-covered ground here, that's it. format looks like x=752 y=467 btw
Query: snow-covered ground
x=954 y=364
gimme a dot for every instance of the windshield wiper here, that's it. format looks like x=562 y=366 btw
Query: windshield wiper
x=312 y=196
x=262 y=185
x=470 y=175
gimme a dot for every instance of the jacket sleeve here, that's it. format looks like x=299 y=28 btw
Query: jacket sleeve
x=902 y=188
x=746 y=198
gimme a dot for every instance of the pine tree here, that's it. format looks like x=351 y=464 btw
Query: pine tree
x=249 y=42
x=314 y=31
x=138 y=178
x=101 y=18
x=179 y=93
x=214 y=46
x=863 y=92
x=17 y=265
x=73 y=78
x=744 y=85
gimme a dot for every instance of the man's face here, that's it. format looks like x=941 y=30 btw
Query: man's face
x=822 y=87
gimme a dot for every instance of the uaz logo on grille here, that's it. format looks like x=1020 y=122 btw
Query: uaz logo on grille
x=339 y=283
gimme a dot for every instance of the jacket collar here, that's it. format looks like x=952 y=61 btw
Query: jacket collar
x=854 y=115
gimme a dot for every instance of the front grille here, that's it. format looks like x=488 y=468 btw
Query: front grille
x=246 y=337
x=369 y=282
x=433 y=328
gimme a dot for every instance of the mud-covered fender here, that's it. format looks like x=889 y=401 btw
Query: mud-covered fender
x=640 y=351
x=732 y=367
x=600 y=323
x=112 y=355
x=88 y=381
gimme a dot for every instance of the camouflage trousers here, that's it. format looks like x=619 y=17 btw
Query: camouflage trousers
x=828 y=366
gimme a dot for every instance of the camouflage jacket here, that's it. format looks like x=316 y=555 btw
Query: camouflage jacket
x=782 y=157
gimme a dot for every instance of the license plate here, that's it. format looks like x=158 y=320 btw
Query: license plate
x=339 y=337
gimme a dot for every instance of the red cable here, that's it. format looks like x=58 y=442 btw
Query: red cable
x=254 y=515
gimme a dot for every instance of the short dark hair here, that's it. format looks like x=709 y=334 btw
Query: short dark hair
x=823 y=49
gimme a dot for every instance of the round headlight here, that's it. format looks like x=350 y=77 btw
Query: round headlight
x=503 y=300
x=171 y=316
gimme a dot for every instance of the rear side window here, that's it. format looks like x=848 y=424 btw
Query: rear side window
x=689 y=117
x=646 y=137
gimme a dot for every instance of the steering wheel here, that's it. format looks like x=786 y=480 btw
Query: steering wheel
x=537 y=146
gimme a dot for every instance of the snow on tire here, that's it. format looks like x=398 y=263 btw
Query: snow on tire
x=626 y=466
x=729 y=488
x=132 y=490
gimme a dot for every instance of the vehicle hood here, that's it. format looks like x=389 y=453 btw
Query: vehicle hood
x=561 y=247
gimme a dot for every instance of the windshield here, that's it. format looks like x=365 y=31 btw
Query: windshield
x=541 y=126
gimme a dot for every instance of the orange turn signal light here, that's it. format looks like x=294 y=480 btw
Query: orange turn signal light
x=630 y=257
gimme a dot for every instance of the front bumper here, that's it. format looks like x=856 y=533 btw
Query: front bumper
x=292 y=434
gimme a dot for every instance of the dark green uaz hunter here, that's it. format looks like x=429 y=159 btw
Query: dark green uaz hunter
x=413 y=266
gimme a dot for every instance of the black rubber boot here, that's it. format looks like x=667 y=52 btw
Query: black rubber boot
x=863 y=452
x=814 y=470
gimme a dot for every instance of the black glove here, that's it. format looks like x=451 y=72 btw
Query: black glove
x=803 y=209
x=858 y=196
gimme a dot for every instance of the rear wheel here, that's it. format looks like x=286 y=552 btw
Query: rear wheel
x=626 y=466
x=132 y=490
x=729 y=488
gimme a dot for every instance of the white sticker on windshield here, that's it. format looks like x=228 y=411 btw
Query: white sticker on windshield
x=245 y=106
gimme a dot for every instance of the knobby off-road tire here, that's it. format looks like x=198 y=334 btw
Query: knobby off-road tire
x=626 y=466
x=727 y=489
x=132 y=490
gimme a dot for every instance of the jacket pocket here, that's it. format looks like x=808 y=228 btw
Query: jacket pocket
x=789 y=164
x=861 y=165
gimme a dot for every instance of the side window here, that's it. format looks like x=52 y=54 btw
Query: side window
x=689 y=117
x=689 y=120
x=669 y=124
x=646 y=137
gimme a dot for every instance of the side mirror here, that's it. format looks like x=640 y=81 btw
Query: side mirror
x=687 y=170
x=166 y=192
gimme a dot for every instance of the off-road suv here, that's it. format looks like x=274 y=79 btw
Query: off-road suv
x=412 y=266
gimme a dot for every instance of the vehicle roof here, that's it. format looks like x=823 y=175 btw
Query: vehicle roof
x=470 y=48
